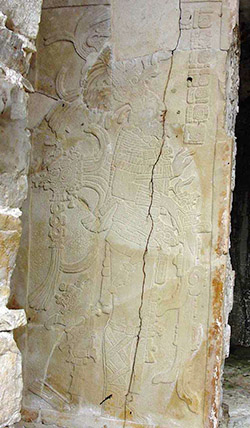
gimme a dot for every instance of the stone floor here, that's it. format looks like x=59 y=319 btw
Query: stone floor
x=236 y=397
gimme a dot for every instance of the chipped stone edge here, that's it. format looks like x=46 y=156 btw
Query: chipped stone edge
x=12 y=319
x=232 y=102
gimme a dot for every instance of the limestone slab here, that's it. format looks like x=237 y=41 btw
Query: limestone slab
x=151 y=31
x=128 y=223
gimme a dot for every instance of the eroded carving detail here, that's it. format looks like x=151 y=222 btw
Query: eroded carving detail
x=121 y=164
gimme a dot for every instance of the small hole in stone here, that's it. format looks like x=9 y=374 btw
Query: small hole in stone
x=189 y=79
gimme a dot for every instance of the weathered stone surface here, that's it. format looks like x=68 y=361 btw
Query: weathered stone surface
x=10 y=380
x=23 y=16
x=47 y=4
x=236 y=388
x=15 y=54
x=151 y=32
x=15 y=145
x=129 y=213
x=9 y=243
x=15 y=49
x=10 y=319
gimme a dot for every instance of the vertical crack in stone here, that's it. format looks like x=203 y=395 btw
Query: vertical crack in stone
x=152 y=223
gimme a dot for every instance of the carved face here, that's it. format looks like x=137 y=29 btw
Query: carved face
x=131 y=86
x=146 y=113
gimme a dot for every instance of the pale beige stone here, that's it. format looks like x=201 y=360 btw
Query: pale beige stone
x=9 y=242
x=138 y=29
x=23 y=16
x=10 y=380
x=10 y=319
x=16 y=28
x=128 y=215
x=47 y=4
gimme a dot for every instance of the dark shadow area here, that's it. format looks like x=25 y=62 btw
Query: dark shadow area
x=240 y=237
x=236 y=395
x=236 y=388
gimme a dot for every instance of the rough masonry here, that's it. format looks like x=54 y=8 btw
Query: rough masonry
x=19 y=21
x=124 y=256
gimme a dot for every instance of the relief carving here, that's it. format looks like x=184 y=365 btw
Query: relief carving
x=121 y=198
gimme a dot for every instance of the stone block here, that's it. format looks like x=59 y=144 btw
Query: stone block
x=129 y=212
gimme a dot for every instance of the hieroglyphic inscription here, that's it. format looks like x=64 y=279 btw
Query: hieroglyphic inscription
x=198 y=97
x=197 y=22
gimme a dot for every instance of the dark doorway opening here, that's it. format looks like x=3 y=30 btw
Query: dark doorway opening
x=237 y=366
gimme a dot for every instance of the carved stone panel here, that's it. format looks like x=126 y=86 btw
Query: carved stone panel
x=130 y=175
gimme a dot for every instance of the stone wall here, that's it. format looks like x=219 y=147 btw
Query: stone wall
x=18 y=29
x=123 y=263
